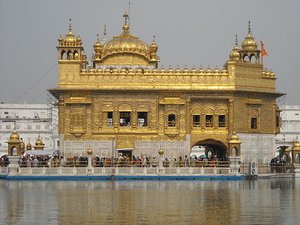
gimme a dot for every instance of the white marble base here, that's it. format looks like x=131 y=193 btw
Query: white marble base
x=258 y=148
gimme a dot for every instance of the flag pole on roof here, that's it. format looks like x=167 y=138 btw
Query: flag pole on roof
x=263 y=52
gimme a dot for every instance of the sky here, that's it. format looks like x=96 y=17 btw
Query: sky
x=188 y=32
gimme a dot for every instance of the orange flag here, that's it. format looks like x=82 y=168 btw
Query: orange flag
x=263 y=50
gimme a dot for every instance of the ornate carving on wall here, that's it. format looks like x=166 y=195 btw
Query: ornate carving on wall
x=78 y=120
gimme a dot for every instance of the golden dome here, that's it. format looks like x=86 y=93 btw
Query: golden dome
x=70 y=39
x=14 y=136
x=201 y=71
x=138 y=70
x=28 y=146
x=153 y=46
x=296 y=145
x=155 y=70
x=193 y=70
x=162 y=70
x=146 y=71
x=160 y=152
x=185 y=70
x=249 y=43
x=224 y=71
x=97 y=44
x=208 y=71
x=178 y=71
x=216 y=71
x=125 y=42
x=123 y=70
x=39 y=142
x=130 y=71
x=234 y=138
x=235 y=52
x=170 y=70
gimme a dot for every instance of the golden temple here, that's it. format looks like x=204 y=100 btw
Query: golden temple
x=123 y=102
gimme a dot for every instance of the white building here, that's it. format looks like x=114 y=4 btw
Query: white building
x=30 y=121
x=290 y=127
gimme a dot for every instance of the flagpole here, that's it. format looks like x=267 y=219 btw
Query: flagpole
x=262 y=55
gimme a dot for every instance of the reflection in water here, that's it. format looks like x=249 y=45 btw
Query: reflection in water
x=150 y=202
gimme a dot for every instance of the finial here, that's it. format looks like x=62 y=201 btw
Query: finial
x=104 y=32
x=249 y=27
x=126 y=17
x=70 y=25
x=153 y=38
x=236 y=40
x=97 y=37
x=126 y=27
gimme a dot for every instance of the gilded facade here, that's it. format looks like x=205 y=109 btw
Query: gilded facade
x=122 y=101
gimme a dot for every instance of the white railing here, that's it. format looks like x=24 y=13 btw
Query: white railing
x=108 y=171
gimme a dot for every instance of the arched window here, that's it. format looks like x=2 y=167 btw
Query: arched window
x=233 y=151
x=70 y=55
x=125 y=119
x=75 y=56
x=253 y=58
x=63 y=55
x=245 y=58
x=171 y=120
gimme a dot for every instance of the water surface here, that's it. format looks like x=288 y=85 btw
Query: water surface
x=269 y=201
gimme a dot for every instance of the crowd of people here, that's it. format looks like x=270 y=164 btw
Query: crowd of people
x=120 y=161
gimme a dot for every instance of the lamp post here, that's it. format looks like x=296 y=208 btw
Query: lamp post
x=89 y=151
x=160 y=152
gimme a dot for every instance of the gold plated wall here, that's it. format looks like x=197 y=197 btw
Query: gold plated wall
x=180 y=104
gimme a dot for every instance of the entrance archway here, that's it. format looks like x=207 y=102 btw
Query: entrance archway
x=213 y=148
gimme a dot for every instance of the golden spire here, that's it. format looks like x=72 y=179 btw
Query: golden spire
x=153 y=46
x=249 y=27
x=70 y=26
x=104 y=32
x=104 y=37
x=126 y=27
x=236 y=41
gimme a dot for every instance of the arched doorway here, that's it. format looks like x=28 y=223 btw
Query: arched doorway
x=213 y=148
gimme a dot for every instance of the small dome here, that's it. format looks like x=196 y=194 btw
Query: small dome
x=216 y=71
x=162 y=70
x=185 y=70
x=193 y=70
x=208 y=71
x=146 y=70
x=97 y=45
x=115 y=70
x=14 y=136
x=201 y=71
x=28 y=146
x=235 y=54
x=70 y=39
x=224 y=71
x=123 y=70
x=234 y=138
x=155 y=70
x=130 y=71
x=139 y=70
x=249 y=43
x=178 y=71
x=170 y=70
x=39 y=142
x=296 y=145
x=153 y=46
